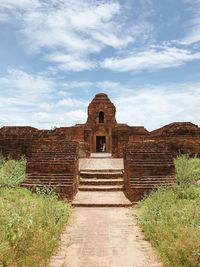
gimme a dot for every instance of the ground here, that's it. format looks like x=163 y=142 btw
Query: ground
x=104 y=237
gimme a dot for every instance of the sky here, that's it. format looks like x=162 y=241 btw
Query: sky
x=55 y=55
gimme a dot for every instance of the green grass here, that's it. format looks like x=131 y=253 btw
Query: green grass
x=12 y=172
x=30 y=224
x=170 y=218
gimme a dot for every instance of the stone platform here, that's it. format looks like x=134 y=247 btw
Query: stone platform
x=101 y=164
x=101 y=199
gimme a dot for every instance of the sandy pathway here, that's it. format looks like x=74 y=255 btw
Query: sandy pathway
x=103 y=237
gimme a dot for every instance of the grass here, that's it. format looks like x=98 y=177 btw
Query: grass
x=12 y=172
x=30 y=224
x=170 y=217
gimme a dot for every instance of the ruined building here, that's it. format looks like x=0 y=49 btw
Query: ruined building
x=52 y=155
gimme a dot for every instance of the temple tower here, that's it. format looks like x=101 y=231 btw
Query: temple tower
x=100 y=122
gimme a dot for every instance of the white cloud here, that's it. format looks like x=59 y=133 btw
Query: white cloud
x=82 y=84
x=151 y=60
x=45 y=106
x=155 y=106
x=151 y=106
x=75 y=29
x=71 y=62
x=193 y=25
x=109 y=86
x=21 y=86
x=12 y=4
x=31 y=99
x=70 y=102
x=48 y=120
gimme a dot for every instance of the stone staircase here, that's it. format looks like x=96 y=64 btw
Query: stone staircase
x=102 y=186
x=106 y=180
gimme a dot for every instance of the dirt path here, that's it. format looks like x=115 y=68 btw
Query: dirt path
x=103 y=237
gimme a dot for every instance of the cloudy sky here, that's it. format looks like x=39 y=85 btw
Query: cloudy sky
x=55 y=55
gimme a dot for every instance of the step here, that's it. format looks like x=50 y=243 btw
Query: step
x=101 y=188
x=101 y=181
x=101 y=175
x=101 y=155
x=101 y=199
x=119 y=171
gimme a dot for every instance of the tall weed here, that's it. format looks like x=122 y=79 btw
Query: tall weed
x=12 y=172
x=30 y=224
x=170 y=217
x=187 y=169
x=30 y=227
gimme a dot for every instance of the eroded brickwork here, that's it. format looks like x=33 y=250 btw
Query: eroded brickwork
x=182 y=137
x=148 y=165
x=53 y=162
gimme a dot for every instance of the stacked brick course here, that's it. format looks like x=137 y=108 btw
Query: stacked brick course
x=148 y=165
x=53 y=162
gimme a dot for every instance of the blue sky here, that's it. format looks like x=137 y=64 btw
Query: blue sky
x=55 y=55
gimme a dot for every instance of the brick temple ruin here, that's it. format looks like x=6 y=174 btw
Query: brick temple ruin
x=53 y=155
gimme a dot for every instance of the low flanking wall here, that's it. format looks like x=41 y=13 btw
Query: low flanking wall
x=148 y=165
x=53 y=162
x=16 y=141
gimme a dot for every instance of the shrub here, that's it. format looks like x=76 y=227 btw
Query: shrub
x=170 y=217
x=45 y=191
x=187 y=169
x=30 y=227
x=12 y=172
x=30 y=224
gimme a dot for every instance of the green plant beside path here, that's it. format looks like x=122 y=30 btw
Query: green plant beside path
x=30 y=224
x=170 y=217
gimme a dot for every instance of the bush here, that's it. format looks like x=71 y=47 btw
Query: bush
x=30 y=227
x=170 y=217
x=12 y=172
x=30 y=224
x=187 y=169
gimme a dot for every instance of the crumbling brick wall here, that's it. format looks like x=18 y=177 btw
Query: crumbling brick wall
x=181 y=137
x=53 y=162
x=148 y=165
x=16 y=141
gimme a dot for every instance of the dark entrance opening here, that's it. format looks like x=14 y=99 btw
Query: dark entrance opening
x=100 y=144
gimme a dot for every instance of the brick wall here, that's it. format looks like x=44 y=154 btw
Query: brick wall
x=16 y=141
x=53 y=161
x=182 y=137
x=148 y=165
